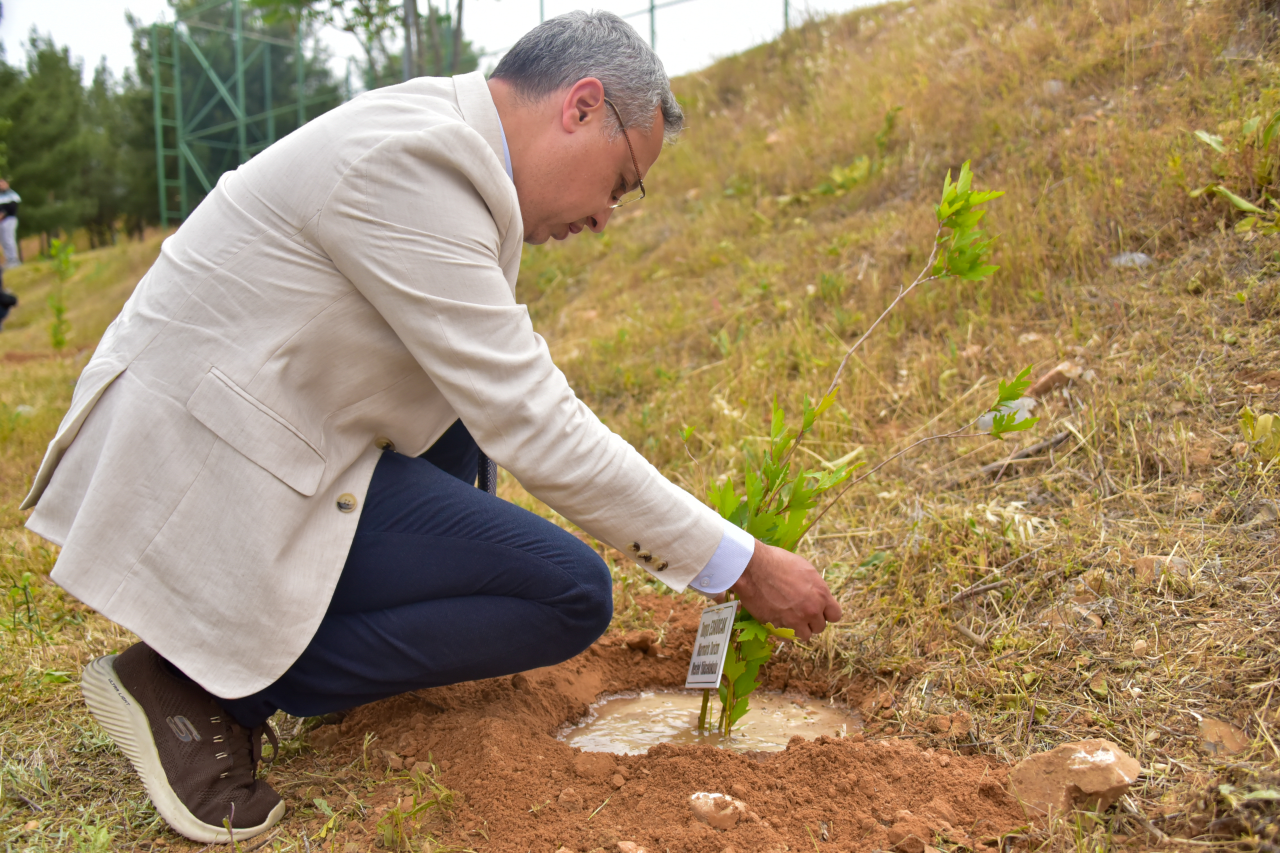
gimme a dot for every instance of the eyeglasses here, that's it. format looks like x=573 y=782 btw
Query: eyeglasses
x=630 y=195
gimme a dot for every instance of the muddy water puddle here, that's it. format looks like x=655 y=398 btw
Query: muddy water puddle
x=630 y=723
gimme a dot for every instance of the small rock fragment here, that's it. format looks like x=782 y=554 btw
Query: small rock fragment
x=1091 y=773
x=909 y=834
x=1239 y=449
x=617 y=781
x=1065 y=372
x=719 y=810
x=738 y=791
x=641 y=641
x=1075 y=617
x=630 y=847
x=394 y=761
x=1140 y=648
x=1221 y=738
x=521 y=682
x=1151 y=568
x=570 y=799
x=938 y=724
x=594 y=765
x=940 y=808
x=1131 y=260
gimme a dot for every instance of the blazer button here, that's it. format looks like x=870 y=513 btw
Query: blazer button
x=644 y=555
x=635 y=547
x=661 y=566
x=346 y=502
x=383 y=443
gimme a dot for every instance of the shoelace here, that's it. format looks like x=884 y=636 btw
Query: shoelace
x=248 y=753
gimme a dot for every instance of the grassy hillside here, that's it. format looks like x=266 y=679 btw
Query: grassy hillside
x=793 y=209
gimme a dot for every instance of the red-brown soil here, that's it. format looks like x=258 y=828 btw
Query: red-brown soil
x=523 y=790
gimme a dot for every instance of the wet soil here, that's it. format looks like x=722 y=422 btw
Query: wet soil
x=523 y=790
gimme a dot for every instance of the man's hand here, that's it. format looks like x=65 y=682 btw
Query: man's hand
x=785 y=590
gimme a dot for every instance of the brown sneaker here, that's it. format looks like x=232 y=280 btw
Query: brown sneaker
x=198 y=765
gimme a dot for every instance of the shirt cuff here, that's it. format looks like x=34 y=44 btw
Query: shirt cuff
x=727 y=563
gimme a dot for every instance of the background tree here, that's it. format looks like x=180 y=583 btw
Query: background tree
x=47 y=150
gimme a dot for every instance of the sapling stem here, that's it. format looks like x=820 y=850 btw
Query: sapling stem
x=706 y=703
x=902 y=294
x=778 y=500
x=923 y=277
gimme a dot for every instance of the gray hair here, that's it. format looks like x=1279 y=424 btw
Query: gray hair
x=563 y=50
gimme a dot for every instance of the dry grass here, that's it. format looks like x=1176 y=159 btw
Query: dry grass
x=1017 y=597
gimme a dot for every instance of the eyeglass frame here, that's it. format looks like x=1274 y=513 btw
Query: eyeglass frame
x=632 y=151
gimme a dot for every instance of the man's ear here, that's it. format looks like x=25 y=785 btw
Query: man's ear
x=583 y=105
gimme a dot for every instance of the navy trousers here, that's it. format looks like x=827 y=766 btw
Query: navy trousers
x=444 y=583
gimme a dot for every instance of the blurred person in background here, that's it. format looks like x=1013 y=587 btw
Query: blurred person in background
x=9 y=201
x=7 y=299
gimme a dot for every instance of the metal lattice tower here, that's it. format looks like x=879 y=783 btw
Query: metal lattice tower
x=183 y=113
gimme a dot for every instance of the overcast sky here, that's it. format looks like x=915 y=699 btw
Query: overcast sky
x=690 y=36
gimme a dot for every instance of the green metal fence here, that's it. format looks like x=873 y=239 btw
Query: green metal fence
x=214 y=94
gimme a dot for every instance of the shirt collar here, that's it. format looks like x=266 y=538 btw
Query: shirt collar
x=506 y=152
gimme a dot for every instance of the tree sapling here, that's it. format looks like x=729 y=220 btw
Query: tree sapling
x=781 y=494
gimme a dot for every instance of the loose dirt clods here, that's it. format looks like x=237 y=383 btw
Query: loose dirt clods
x=525 y=790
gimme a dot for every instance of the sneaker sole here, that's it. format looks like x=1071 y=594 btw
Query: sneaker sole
x=121 y=715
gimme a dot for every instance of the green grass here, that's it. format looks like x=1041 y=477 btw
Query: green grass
x=737 y=280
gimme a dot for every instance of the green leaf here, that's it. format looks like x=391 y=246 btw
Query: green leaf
x=323 y=805
x=1212 y=140
x=1237 y=201
x=784 y=633
x=1008 y=422
x=1267 y=794
x=755 y=649
x=1269 y=132
x=966 y=178
x=1015 y=390
x=54 y=676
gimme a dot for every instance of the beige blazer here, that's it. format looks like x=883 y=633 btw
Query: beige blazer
x=353 y=284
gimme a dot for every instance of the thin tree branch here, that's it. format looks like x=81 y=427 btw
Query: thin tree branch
x=960 y=433
x=835 y=380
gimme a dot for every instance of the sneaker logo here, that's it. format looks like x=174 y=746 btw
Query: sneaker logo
x=183 y=728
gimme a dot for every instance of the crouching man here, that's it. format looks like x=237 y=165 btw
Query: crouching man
x=268 y=468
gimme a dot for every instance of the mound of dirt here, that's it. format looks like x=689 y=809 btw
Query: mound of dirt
x=523 y=790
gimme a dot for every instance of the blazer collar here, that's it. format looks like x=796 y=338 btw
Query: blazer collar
x=478 y=109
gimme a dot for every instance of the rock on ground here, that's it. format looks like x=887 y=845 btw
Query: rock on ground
x=1088 y=773
x=719 y=810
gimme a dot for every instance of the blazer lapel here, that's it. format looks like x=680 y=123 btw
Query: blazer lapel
x=478 y=109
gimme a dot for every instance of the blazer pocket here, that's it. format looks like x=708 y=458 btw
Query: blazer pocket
x=256 y=432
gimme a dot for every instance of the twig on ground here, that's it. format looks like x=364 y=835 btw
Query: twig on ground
x=1024 y=455
x=977 y=638
x=977 y=590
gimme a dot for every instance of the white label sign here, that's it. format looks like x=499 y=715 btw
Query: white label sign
x=711 y=645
